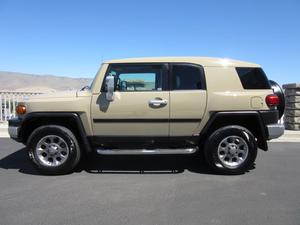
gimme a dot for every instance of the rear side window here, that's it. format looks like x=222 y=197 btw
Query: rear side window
x=253 y=78
x=187 y=77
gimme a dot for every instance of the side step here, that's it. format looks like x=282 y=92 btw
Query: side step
x=145 y=151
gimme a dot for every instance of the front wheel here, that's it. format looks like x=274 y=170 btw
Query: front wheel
x=54 y=149
x=231 y=150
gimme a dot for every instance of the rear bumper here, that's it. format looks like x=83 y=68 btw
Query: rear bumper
x=270 y=120
x=275 y=130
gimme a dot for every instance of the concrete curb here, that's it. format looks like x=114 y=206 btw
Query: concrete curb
x=3 y=130
x=289 y=135
x=4 y=135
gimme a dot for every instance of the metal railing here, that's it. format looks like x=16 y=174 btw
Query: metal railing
x=8 y=102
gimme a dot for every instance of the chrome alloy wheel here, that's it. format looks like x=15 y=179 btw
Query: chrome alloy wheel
x=232 y=151
x=52 y=151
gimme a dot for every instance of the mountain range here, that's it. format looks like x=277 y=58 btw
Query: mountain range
x=23 y=82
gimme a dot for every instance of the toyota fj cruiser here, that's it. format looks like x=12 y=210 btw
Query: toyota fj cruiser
x=225 y=108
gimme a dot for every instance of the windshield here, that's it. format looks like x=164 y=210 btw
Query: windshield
x=89 y=87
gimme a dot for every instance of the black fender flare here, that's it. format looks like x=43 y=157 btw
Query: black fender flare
x=59 y=115
x=225 y=118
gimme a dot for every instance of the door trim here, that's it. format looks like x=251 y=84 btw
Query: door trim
x=147 y=120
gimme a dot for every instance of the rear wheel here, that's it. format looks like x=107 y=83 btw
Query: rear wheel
x=54 y=149
x=231 y=150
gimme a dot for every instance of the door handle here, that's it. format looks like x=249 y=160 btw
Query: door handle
x=158 y=102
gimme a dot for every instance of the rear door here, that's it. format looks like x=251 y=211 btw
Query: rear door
x=187 y=98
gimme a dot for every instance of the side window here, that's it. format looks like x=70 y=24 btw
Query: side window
x=187 y=77
x=130 y=78
x=253 y=78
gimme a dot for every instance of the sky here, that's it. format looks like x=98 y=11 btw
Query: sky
x=72 y=38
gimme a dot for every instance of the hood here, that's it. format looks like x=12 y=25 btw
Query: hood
x=64 y=101
x=59 y=94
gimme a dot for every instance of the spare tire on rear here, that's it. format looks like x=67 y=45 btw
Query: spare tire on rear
x=279 y=92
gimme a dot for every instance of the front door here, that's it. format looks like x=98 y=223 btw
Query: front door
x=140 y=108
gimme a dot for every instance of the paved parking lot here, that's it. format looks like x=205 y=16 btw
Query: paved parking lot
x=172 y=190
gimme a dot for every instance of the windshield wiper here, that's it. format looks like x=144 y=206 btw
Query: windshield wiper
x=87 y=87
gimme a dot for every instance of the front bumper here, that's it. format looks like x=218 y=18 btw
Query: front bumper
x=14 y=128
x=13 y=132
x=275 y=130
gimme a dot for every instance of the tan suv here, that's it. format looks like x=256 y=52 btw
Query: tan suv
x=145 y=106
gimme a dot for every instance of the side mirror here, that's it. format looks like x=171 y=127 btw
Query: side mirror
x=110 y=87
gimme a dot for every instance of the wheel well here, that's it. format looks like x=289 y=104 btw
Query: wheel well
x=253 y=123
x=31 y=124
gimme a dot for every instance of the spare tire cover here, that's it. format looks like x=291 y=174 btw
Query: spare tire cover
x=279 y=92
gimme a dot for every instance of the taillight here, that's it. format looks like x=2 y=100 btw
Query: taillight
x=272 y=100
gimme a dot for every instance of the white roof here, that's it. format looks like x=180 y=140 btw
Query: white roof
x=204 y=61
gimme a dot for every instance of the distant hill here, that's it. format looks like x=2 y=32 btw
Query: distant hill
x=13 y=81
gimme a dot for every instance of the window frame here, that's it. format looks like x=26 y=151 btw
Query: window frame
x=202 y=76
x=165 y=75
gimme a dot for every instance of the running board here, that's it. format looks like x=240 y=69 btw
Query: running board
x=146 y=151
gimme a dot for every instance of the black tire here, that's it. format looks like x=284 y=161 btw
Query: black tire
x=217 y=138
x=74 y=152
x=279 y=92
